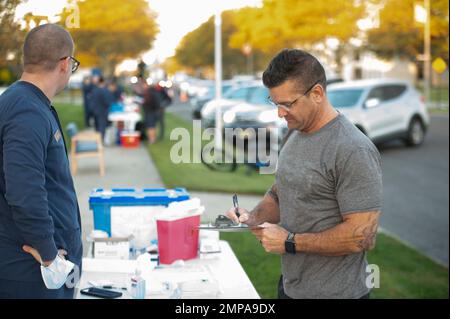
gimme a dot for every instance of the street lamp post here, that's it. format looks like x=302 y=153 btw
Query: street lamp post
x=427 y=55
x=218 y=72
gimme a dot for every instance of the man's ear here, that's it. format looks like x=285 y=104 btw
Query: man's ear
x=318 y=94
x=64 y=65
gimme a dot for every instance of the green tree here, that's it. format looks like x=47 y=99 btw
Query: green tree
x=297 y=23
x=113 y=30
x=11 y=38
x=196 y=49
x=400 y=35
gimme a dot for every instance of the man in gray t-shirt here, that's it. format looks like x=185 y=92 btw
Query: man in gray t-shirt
x=322 y=212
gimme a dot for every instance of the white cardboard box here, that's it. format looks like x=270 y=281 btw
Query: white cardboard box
x=112 y=248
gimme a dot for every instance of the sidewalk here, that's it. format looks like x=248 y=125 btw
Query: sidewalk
x=133 y=168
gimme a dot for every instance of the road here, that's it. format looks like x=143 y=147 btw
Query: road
x=416 y=188
x=416 y=196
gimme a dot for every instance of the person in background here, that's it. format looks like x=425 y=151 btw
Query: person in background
x=100 y=100
x=151 y=106
x=86 y=88
x=116 y=90
x=164 y=100
x=40 y=225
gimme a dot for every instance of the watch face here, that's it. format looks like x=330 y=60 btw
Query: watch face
x=290 y=247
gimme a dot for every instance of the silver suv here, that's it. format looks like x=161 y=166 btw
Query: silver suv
x=383 y=109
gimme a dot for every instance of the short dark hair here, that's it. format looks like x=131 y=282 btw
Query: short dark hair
x=44 y=46
x=294 y=64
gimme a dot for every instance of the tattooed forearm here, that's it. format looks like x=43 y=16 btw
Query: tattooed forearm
x=357 y=233
x=366 y=233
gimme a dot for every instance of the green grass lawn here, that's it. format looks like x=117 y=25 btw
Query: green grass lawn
x=404 y=273
x=436 y=93
x=196 y=176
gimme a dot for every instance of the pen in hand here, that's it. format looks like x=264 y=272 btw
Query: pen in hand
x=236 y=206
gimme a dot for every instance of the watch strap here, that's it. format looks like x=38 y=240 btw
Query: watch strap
x=290 y=243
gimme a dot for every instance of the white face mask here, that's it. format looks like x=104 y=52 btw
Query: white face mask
x=55 y=275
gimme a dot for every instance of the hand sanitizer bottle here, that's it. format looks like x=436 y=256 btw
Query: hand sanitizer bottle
x=137 y=285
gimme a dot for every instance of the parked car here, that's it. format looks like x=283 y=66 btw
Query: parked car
x=256 y=113
x=383 y=109
x=258 y=97
x=200 y=100
x=198 y=86
x=236 y=95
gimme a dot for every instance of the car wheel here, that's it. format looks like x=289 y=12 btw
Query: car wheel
x=416 y=133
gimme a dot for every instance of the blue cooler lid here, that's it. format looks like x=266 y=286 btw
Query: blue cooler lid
x=146 y=196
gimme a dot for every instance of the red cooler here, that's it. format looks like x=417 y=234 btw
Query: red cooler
x=129 y=139
x=178 y=239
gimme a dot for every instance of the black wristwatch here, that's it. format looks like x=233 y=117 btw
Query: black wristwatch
x=289 y=244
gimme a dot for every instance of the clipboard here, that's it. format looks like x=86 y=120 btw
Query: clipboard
x=232 y=228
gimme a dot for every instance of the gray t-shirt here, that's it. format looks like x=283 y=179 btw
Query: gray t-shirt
x=320 y=177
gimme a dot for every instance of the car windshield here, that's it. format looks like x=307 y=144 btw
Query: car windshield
x=237 y=94
x=259 y=96
x=225 y=89
x=344 y=97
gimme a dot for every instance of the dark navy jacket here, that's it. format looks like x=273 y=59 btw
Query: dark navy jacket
x=38 y=203
x=100 y=99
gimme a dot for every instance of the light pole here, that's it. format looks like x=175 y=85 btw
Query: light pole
x=218 y=71
x=427 y=55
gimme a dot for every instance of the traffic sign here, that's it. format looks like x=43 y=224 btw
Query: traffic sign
x=439 y=65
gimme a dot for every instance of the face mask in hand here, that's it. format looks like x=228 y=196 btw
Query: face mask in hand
x=55 y=275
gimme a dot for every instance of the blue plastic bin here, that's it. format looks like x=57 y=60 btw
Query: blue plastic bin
x=101 y=201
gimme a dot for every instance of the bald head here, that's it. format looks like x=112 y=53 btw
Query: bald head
x=44 y=46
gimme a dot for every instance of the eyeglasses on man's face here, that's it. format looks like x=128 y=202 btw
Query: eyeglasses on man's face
x=287 y=106
x=75 y=62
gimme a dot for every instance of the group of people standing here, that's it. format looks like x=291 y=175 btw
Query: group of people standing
x=98 y=96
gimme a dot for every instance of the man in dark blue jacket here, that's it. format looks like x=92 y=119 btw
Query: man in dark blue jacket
x=100 y=101
x=86 y=88
x=39 y=215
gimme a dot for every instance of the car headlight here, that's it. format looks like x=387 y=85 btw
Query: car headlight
x=268 y=116
x=229 y=116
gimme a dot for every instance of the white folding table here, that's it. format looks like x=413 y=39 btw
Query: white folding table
x=224 y=268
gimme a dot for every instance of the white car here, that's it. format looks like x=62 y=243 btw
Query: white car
x=232 y=97
x=383 y=109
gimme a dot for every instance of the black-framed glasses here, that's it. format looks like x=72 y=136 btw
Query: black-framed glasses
x=75 y=62
x=287 y=106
